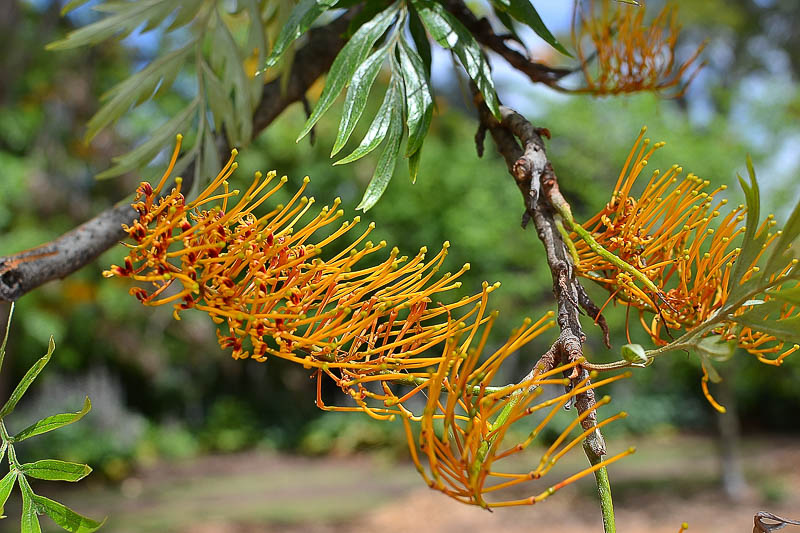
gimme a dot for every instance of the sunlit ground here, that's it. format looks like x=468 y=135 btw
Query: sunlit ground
x=668 y=481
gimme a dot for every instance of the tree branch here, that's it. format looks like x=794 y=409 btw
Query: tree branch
x=24 y=271
x=482 y=30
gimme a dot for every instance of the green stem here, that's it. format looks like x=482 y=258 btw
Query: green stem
x=603 y=491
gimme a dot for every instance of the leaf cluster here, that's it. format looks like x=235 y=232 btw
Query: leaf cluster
x=397 y=34
x=47 y=469
x=221 y=55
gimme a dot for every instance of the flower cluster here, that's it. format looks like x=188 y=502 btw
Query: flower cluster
x=374 y=330
x=630 y=55
x=674 y=234
x=466 y=424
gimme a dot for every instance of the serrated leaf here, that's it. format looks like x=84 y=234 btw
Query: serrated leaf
x=451 y=34
x=419 y=102
x=413 y=164
x=357 y=93
x=29 y=521
x=53 y=422
x=55 y=470
x=715 y=347
x=27 y=379
x=143 y=153
x=751 y=246
x=6 y=486
x=421 y=42
x=299 y=21
x=378 y=129
x=634 y=353
x=347 y=61
x=66 y=517
x=384 y=170
x=523 y=11
x=5 y=337
x=158 y=75
x=127 y=17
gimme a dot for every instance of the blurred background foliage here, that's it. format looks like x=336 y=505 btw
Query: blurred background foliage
x=163 y=389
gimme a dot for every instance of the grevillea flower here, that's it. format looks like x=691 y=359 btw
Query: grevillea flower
x=466 y=425
x=675 y=234
x=261 y=275
x=374 y=330
x=629 y=55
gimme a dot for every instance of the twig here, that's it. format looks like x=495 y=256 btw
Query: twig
x=523 y=149
x=19 y=274
x=481 y=29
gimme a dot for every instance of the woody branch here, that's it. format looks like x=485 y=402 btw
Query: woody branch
x=522 y=147
x=26 y=270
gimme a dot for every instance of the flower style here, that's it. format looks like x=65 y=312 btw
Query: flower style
x=465 y=424
x=373 y=330
x=631 y=55
x=263 y=277
x=670 y=234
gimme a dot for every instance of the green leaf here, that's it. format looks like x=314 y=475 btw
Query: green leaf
x=66 y=517
x=209 y=163
x=713 y=375
x=163 y=136
x=523 y=11
x=55 y=470
x=225 y=54
x=384 y=170
x=378 y=129
x=348 y=60
x=187 y=11
x=127 y=17
x=452 y=35
x=634 y=353
x=413 y=164
x=778 y=258
x=256 y=45
x=420 y=40
x=5 y=338
x=30 y=518
x=751 y=246
x=301 y=18
x=27 y=379
x=71 y=6
x=716 y=348
x=6 y=485
x=357 y=94
x=218 y=98
x=757 y=318
x=419 y=102
x=790 y=295
x=53 y=422
x=158 y=75
x=506 y=20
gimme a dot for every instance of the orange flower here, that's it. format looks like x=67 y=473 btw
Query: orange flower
x=262 y=275
x=670 y=234
x=373 y=330
x=466 y=423
x=630 y=55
